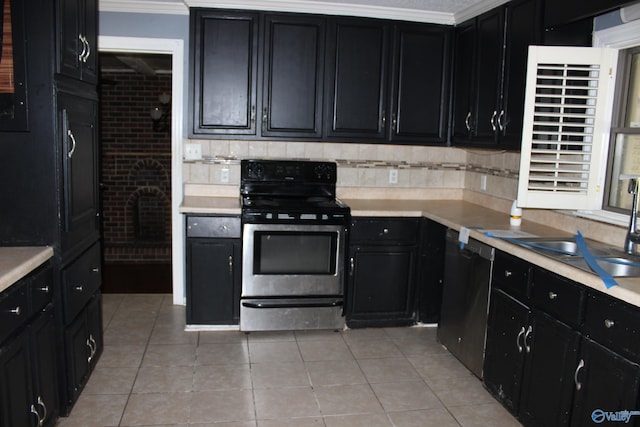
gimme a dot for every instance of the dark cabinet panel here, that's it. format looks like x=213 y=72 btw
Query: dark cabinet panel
x=79 y=145
x=464 y=60
x=504 y=353
x=557 y=13
x=551 y=354
x=431 y=270
x=293 y=76
x=382 y=272
x=420 y=84
x=78 y=39
x=213 y=281
x=604 y=382
x=15 y=383
x=225 y=63
x=357 y=62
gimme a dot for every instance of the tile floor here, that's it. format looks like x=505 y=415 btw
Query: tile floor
x=152 y=372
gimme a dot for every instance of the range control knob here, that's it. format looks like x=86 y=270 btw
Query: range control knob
x=324 y=171
x=255 y=170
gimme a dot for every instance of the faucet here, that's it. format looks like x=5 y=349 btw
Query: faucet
x=633 y=234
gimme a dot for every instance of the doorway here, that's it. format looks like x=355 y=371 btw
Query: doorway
x=154 y=182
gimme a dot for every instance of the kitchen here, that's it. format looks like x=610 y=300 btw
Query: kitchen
x=447 y=170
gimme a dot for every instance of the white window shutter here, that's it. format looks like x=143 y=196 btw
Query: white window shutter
x=567 y=117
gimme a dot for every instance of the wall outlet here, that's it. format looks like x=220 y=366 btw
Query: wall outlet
x=192 y=151
x=483 y=183
x=224 y=175
x=393 y=176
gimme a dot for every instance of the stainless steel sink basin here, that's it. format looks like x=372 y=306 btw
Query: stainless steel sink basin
x=615 y=266
x=564 y=249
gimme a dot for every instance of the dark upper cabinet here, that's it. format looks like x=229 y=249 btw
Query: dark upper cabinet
x=225 y=63
x=293 y=76
x=357 y=67
x=77 y=41
x=490 y=74
x=420 y=84
x=557 y=13
x=387 y=82
x=79 y=151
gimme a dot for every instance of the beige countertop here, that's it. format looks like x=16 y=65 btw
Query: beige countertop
x=453 y=214
x=17 y=262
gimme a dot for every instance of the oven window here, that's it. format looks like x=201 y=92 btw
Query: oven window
x=295 y=252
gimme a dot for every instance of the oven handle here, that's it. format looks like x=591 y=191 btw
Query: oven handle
x=292 y=304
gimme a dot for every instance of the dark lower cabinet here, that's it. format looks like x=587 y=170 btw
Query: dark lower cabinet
x=604 y=383
x=213 y=281
x=382 y=262
x=83 y=347
x=430 y=270
x=213 y=270
x=28 y=371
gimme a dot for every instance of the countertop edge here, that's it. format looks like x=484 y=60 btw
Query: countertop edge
x=18 y=262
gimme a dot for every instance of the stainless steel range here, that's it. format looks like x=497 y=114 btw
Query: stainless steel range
x=293 y=246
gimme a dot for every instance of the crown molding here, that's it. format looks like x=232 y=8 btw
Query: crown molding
x=477 y=9
x=144 y=6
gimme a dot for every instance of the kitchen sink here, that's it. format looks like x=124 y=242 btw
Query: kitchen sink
x=615 y=266
x=564 y=249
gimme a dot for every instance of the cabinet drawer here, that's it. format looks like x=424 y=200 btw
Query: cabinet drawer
x=614 y=324
x=41 y=288
x=384 y=230
x=80 y=280
x=511 y=274
x=14 y=308
x=213 y=226
x=558 y=296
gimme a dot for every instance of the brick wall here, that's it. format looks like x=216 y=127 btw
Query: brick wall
x=136 y=169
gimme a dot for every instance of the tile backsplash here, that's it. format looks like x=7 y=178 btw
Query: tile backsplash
x=368 y=165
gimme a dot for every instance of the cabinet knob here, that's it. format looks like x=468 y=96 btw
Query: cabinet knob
x=385 y=231
x=507 y=273
x=608 y=323
x=79 y=288
x=95 y=270
x=16 y=311
x=552 y=295
x=44 y=289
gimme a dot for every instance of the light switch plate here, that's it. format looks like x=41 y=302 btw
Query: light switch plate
x=192 y=151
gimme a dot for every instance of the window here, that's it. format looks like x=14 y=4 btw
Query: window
x=624 y=152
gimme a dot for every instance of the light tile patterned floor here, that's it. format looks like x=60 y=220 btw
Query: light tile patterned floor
x=152 y=372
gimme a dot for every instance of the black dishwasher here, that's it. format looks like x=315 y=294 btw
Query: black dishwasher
x=465 y=300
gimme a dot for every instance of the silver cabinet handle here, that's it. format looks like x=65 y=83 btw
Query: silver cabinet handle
x=552 y=295
x=507 y=273
x=385 y=231
x=34 y=411
x=44 y=411
x=44 y=289
x=79 y=288
x=86 y=56
x=520 y=334
x=384 y=120
x=352 y=266
x=501 y=124
x=73 y=143
x=527 y=335
x=608 y=323
x=575 y=375
x=95 y=270
x=91 y=343
x=253 y=114
x=16 y=311
x=265 y=116
x=230 y=264
x=84 y=48
x=466 y=121
x=394 y=123
x=493 y=120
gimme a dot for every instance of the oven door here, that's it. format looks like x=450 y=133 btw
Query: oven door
x=292 y=260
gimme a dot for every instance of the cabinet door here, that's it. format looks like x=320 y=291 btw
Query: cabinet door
x=293 y=76
x=78 y=133
x=357 y=78
x=381 y=282
x=78 y=39
x=45 y=368
x=604 y=382
x=77 y=352
x=523 y=29
x=15 y=384
x=225 y=62
x=464 y=113
x=551 y=351
x=420 y=84
x=505 y=351
x=490 y=38
x=213 y=277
